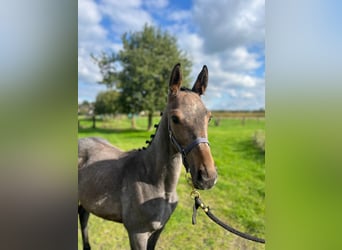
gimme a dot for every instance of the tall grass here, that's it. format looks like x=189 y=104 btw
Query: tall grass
x=238 y=198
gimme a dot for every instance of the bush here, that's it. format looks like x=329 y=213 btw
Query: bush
x=259 y=139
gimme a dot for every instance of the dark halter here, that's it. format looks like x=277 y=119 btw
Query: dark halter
x=184 y=151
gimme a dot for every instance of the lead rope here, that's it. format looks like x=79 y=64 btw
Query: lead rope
x=194 y=194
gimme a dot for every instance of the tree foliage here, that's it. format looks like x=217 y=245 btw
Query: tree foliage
x=107 y=102
x=146 y=61
x=106 y=63
x=85 y=108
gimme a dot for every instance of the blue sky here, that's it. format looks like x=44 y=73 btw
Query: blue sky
x=226 y=35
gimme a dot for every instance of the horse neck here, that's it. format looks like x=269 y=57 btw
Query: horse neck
x=166 y=160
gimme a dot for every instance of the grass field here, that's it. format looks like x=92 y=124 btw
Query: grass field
x=238 y=198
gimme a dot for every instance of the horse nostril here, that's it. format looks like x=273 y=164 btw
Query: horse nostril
x=202 y=175
x=205 y=180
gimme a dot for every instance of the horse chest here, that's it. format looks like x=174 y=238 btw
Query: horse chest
x=147 y=207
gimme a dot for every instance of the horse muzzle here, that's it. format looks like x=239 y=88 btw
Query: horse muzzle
x=204 y=179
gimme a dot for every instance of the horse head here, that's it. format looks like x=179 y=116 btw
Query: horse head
x=188 y=120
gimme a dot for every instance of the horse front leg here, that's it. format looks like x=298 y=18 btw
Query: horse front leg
x=152 y=241
x=84 y=217
x=138 y=241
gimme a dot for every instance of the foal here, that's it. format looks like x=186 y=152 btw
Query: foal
x=138 y=188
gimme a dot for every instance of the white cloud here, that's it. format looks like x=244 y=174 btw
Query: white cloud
x=89 y=18
x=156 y=3
x=179 y=16
x=227 y=29
x=241 y=60
x=92 y=38
x=230 y=42
x=230 y=72
x=125 y=15
x=247 y=95
x=88 y=71
x=230 y=24
x=88 y=13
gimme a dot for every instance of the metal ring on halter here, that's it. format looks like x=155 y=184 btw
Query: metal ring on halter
x=194 y=194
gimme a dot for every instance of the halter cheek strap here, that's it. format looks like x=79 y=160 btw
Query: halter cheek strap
x=188 y=148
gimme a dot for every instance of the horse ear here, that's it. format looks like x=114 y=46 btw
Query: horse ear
x=175 y=79
x=202 y=81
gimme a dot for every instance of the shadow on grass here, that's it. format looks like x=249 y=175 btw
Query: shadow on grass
x=249 y=150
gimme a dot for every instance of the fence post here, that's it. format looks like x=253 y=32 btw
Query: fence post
x=243 y=121
x=94 y=121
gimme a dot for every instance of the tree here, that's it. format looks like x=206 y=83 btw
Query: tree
x=107 y=102
x=146 y=60
x=84 y=108
x=106 y=63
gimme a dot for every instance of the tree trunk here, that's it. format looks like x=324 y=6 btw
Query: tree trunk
x=94 y=121
x=133 y=124
x=150 y=116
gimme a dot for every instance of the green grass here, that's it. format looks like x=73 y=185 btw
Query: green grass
x=238 y=198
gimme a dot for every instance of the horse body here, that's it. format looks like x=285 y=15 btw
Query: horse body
x=92 y=149
x=141 y=192
x=138 y=188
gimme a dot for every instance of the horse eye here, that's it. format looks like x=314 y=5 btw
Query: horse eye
x=210 y=119
x=175 y=119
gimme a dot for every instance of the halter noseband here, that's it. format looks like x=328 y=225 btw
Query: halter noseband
x=188 y=148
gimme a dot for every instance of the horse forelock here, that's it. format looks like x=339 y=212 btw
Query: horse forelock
x=185 y=89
